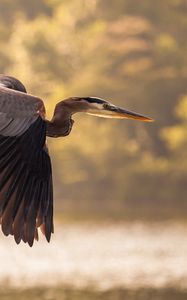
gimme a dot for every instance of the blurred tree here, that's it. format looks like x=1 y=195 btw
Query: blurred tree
x=131 y=53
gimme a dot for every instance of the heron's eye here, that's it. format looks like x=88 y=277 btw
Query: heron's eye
x=106 y=106
x=109 y=106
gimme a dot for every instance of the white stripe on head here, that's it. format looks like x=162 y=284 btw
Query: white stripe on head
x=98 y=105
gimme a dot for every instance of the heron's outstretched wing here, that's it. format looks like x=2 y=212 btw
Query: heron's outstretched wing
x=26 y=197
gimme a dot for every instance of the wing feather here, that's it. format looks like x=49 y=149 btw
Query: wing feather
x=26 y=198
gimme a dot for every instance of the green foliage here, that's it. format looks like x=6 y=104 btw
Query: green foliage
x=130 y=52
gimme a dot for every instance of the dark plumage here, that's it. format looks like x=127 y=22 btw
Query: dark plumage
x=26 y=191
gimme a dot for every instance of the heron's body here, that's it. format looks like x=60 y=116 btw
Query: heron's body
x=26 y=196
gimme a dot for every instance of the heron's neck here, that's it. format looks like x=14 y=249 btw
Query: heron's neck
x=61 y=123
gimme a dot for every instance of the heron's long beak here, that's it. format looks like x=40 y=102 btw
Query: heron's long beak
x=114 y=112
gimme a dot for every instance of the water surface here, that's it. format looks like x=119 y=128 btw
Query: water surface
x=123 y=255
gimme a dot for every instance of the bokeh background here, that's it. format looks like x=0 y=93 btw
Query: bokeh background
x=120 y=186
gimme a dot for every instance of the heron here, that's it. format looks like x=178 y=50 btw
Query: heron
x=26 y=188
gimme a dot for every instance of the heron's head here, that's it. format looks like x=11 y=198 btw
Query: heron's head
x=102 y=108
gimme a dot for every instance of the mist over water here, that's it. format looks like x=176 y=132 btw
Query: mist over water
x=105 y=255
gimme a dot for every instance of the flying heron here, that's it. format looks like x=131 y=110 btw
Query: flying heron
x=26 y=190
